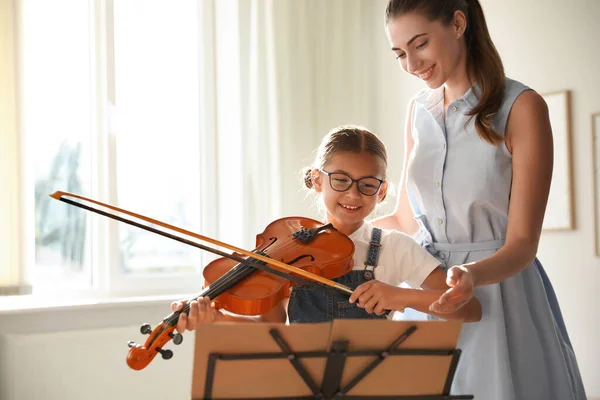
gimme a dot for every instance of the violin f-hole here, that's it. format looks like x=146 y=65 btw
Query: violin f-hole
x=292 y=262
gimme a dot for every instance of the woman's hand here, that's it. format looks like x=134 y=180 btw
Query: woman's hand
x=201 y=311
x=462 y=289
x=375 y=297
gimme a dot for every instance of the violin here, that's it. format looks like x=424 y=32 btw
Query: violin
x=289 y=249
x=243 y=290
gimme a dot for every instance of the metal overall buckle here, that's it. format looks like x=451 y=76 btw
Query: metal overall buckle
x=368 y=272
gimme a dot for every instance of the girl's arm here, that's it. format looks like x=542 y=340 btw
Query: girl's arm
x=529 y=139
x=402 y=219
x=376 y=297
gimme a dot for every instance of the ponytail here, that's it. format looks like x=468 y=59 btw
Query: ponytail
x=485 y=67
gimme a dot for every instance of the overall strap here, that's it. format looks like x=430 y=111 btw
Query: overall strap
x=372 y=255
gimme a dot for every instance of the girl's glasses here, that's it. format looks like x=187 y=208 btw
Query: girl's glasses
x=341 y=182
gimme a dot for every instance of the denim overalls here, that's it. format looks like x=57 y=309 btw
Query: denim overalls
x=309 y=304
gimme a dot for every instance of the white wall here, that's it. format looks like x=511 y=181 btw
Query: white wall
x=549 y=45
x=79 y=368
x=79 y=352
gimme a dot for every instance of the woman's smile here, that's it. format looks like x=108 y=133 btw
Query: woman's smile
x=427 y=74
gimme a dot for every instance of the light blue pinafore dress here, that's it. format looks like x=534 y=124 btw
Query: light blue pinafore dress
x=459 y=186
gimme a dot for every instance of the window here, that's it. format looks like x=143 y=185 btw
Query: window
x=110 y=101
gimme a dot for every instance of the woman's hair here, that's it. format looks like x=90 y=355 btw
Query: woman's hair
x=346 y=138
x=484 y=64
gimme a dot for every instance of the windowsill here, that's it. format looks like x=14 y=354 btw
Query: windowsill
x=39 y=303
x=31 y=314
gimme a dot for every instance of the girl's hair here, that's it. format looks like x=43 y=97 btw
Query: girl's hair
x=483 y=61
x=346 y=138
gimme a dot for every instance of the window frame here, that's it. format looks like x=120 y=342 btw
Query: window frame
x=106 y=280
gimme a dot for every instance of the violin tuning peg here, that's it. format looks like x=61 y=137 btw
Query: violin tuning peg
x=131 y=343
x=166 y=354
x=146 y=329
x=177 y=337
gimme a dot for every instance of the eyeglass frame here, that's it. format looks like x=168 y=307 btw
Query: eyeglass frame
x=381 y=181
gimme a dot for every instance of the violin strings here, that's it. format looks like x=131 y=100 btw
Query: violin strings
x=220 y=283
x=224 y=281
x=288 y=246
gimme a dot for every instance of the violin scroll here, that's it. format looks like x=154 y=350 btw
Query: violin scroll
x=140 y=356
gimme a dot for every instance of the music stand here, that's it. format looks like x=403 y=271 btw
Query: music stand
x=350 y=359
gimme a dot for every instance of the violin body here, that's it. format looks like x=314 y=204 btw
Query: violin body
x=329 y=254
x=300 y=242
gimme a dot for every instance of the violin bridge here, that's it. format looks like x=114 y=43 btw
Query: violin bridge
x=306 y=235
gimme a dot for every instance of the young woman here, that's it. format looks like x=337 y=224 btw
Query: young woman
x=476 y=177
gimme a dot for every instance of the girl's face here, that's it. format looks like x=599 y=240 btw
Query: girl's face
x=429 y=50
x=347 y=210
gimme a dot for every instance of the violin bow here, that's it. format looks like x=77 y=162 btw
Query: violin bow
x=64 y=197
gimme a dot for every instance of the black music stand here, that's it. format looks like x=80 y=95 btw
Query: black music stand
x=349 y=359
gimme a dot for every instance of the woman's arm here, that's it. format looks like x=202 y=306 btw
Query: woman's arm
x=470 y=311
x=529 y=138
x=402 y=219
x=421 y=300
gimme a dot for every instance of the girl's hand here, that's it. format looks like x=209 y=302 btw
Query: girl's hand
x=201 y=311
x=462 y=289
x=375 y=297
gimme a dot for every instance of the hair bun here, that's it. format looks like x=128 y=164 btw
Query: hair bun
x=308 y=178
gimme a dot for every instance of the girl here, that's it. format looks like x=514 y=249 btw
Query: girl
x=349 y=174
x=477 y=171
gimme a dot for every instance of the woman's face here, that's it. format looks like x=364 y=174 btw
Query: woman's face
x=429 y=50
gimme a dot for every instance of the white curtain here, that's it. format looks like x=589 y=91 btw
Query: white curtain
x=286 y=72
x=12 y=280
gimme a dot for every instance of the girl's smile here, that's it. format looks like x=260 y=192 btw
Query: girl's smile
x=350 y=209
